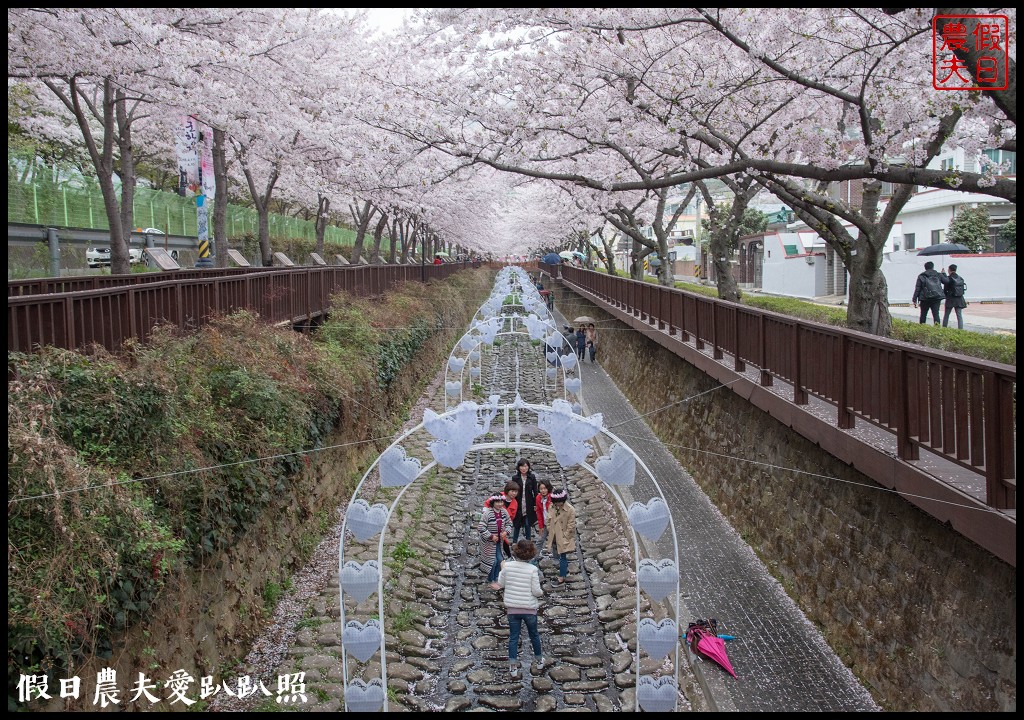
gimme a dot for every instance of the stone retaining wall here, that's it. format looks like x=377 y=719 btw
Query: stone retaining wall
x=924 y=617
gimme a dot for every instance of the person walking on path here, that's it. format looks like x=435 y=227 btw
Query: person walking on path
x=581 y=341
x=524 y=519
x=521 y=581
x=955 y=287
x=592 y=340
x=543 y=508
x=561 y=526
x=929 y=291
x=495 y=526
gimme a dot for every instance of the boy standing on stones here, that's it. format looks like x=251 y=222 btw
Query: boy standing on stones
x=561 y=525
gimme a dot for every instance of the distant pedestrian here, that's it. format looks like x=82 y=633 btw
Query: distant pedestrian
x=495 y=526
x=929 y=292
x=561 y=526
x=955 y=287
x=437 y=260
x=543 y=508
x=521 y=581
x=591 y=341
x=581 y=341
x=525 y=518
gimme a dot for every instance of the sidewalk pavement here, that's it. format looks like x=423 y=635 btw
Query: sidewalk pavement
x=781 y=660
x=985 y=317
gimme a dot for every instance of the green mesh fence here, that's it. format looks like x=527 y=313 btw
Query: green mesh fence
x=42 y=203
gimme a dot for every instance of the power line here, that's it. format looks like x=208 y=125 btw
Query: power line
x=194 y=470
x=812 y=474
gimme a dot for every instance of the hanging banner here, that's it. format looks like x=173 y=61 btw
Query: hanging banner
x=208 y=181
x=187 y=145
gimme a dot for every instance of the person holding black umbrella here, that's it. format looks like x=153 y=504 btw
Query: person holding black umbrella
x=955 y=287
x=929 y=290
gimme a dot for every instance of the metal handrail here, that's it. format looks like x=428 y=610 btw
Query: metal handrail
x=958 y=407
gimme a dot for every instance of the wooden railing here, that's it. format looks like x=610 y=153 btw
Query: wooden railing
x=959 y=408
x=63 y=313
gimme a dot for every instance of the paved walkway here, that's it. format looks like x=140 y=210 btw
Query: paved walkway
x=984 y=317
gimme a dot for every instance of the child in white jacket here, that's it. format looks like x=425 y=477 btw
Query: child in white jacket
x=521 y=581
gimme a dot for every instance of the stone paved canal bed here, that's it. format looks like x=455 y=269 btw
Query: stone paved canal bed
x=446 y=631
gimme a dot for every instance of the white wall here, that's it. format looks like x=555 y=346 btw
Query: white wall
x=791 y=276
x=988 y=277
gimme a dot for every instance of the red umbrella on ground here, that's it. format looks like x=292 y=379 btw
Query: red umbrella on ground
x=704 y=641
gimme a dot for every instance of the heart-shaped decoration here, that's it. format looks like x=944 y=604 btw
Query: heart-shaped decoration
x=573 y=385
x=363 y=641
x=551 y=373
x=474 y=372
x=396 y=469
x=360 y=581
x=552 y=356
x=577 y=408
x=656 y=694
x=365 y=697
x=554 y=341
x=618 y=467
x=649 y=520
x=658 y=639
x=364 y=521
x=569 y=361
x=468 y=342
x=453 y=388
x=456 y=364
x=474 y=356
x=658 y=578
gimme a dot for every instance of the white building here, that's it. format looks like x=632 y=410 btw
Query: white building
x=797 y=262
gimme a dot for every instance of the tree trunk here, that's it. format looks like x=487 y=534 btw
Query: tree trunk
x=323 y=206
x=220 y=202
x=869 y=292
x=361 y=218
x=102 y=160
x=266 y=252
x=126 y=167
x=721 y=248
x=378 y=233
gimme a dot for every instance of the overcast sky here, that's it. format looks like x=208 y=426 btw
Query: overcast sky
x=387 y=19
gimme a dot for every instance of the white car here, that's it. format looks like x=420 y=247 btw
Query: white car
x=152 y=231
x=100 y=257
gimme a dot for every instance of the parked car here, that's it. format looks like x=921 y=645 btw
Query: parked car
x=100 y=256
x=97 y=257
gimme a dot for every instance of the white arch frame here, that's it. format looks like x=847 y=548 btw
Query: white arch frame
x=489 y=412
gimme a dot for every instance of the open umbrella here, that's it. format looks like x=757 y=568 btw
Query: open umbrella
x=552 y=258
x=943 y=249
x=584 y=319
x=703 y=640
x=567 y=254
x=442 y=254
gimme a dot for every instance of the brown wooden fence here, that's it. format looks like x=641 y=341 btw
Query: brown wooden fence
x=74 y=313
x=959 y=408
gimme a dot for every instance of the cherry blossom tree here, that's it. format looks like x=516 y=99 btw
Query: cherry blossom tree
x=793 y=99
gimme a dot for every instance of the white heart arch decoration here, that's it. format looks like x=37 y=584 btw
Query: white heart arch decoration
x=468 y=427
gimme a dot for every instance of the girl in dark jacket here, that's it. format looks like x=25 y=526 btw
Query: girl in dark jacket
x=527 y=515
